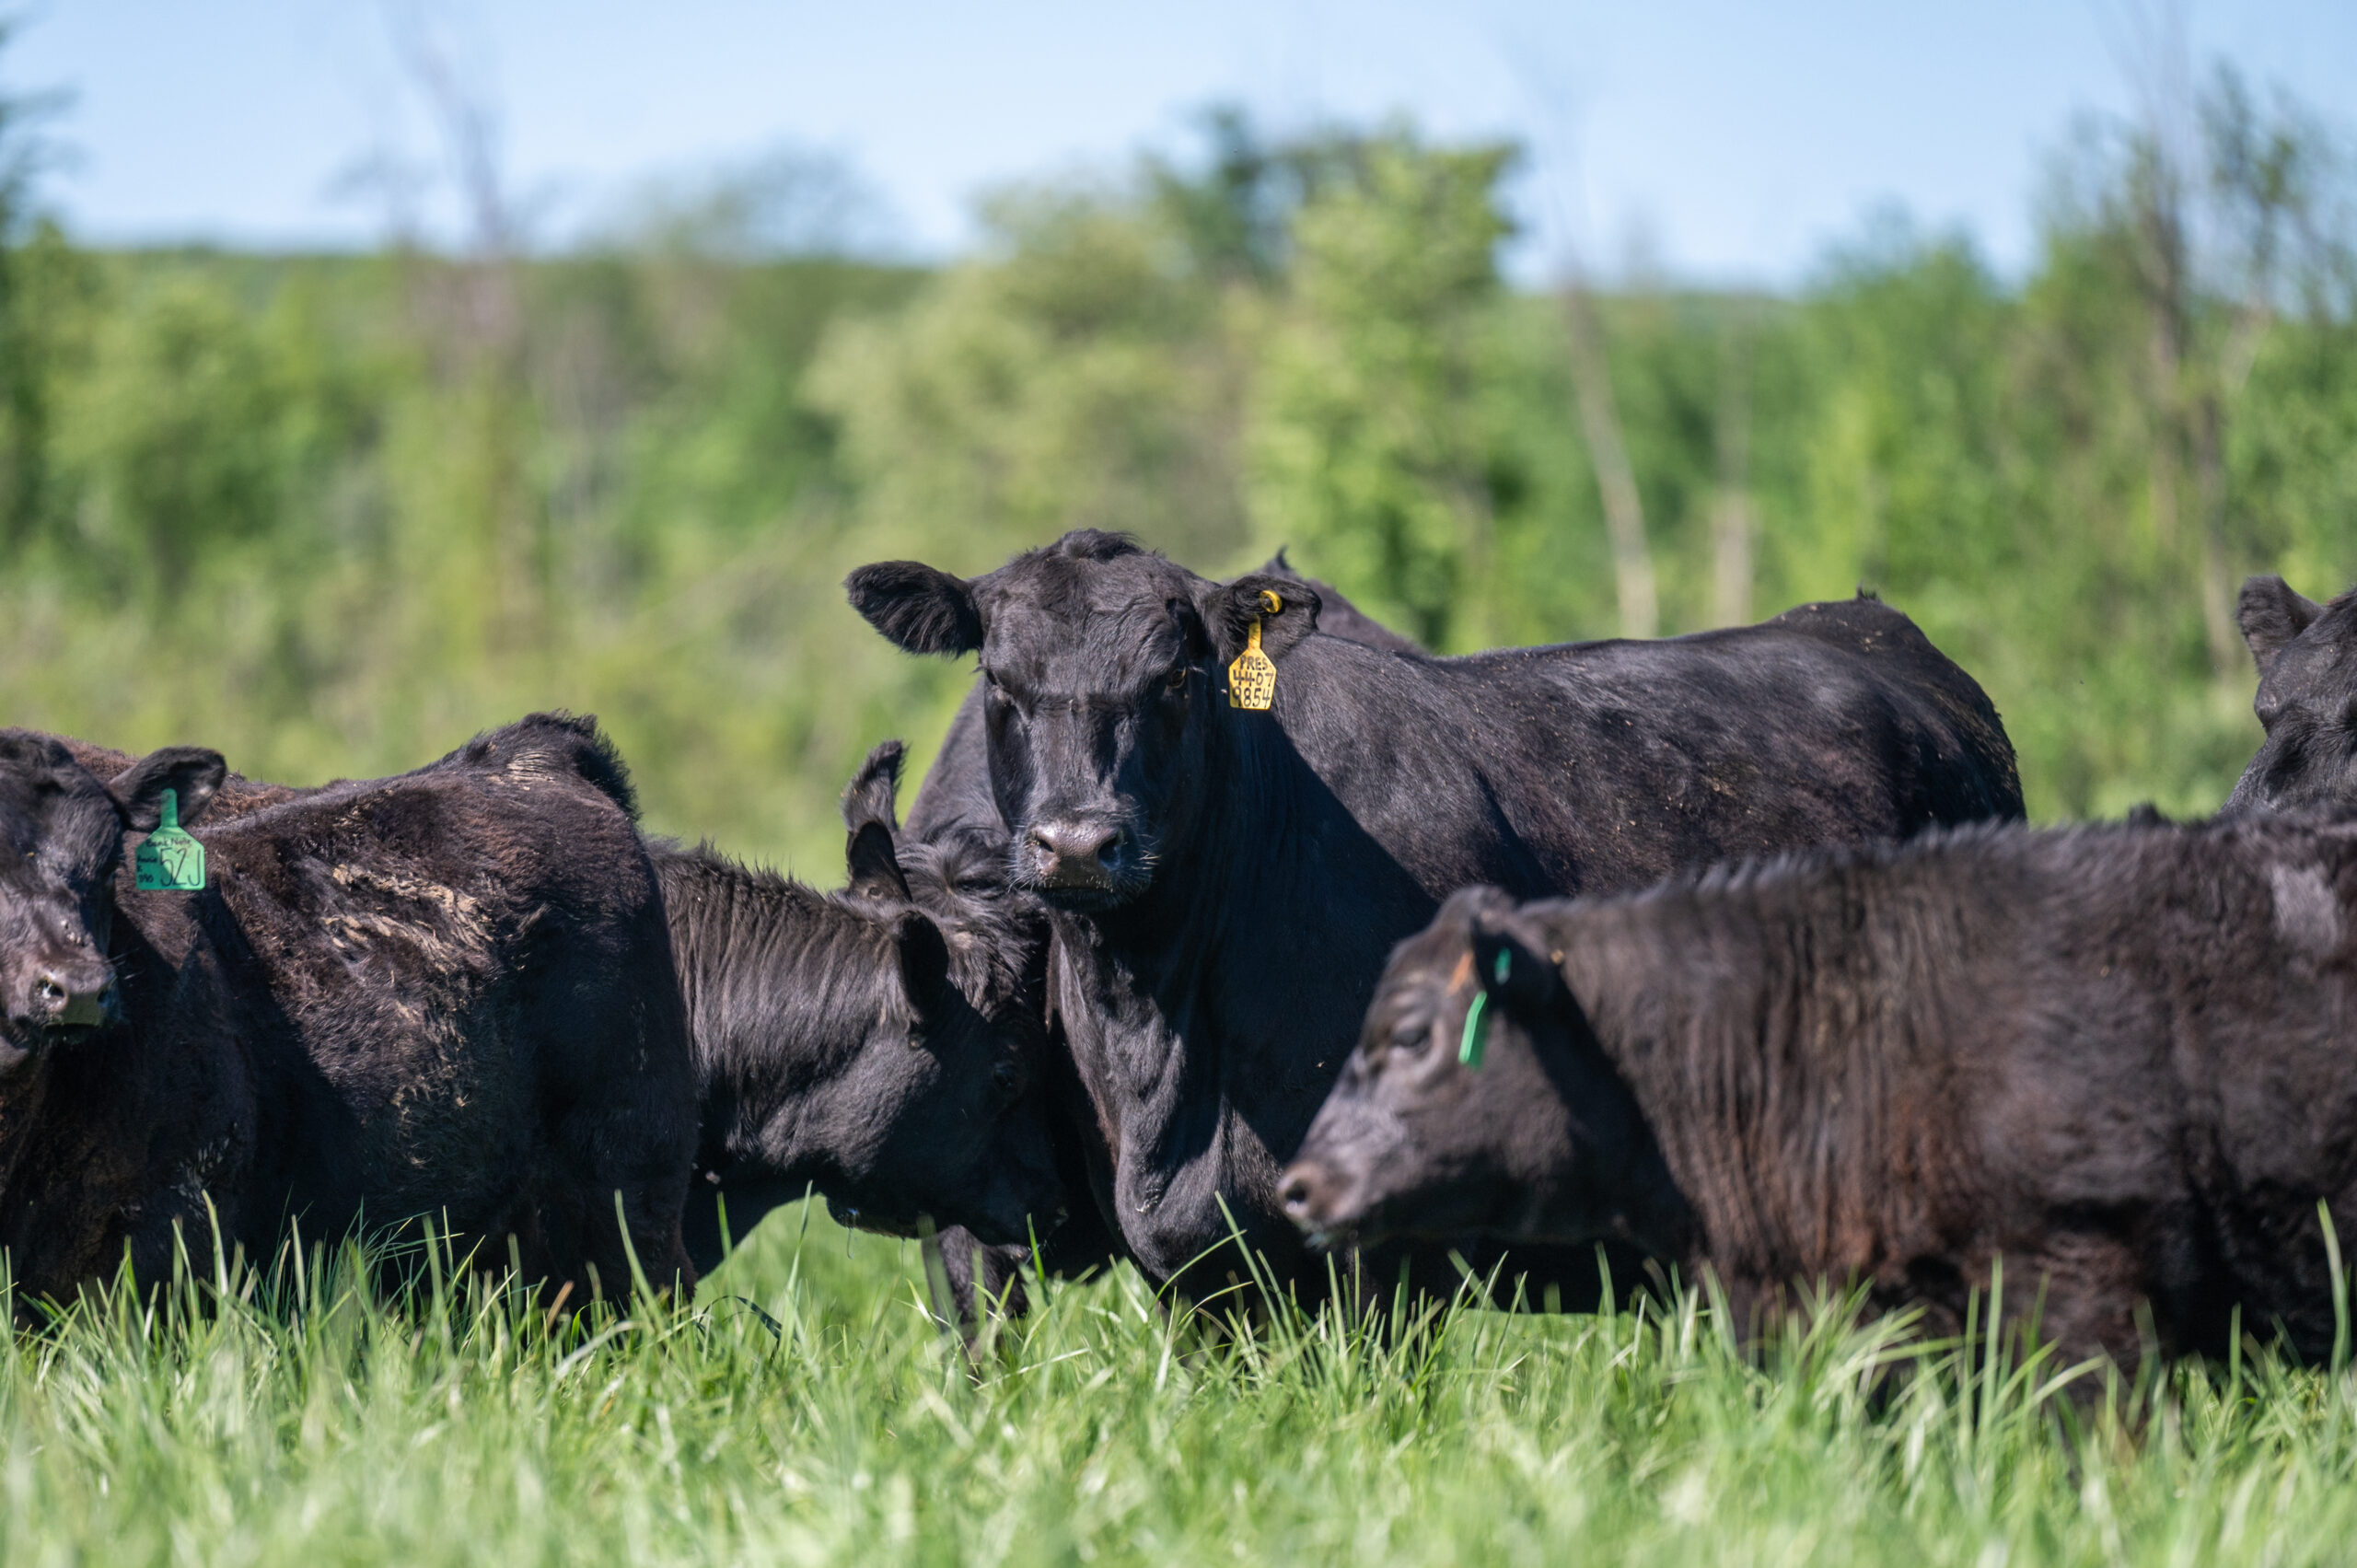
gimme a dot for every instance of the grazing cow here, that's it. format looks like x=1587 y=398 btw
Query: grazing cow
x=2307 y=703
x=2115 y=1057
x=955 y=818
x=802 y=1006
x=447 y=995
x=877 y=1044
x=1225 y=882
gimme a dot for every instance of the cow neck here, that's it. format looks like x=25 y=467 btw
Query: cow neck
x=780 y=982
x=23 y=1098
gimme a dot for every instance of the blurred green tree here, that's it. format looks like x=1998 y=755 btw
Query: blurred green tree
x=1372 y=441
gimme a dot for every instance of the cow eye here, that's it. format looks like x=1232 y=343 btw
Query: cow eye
x=1006 y=1078
x=1177 y=680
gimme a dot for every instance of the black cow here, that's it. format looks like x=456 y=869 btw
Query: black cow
x=2307 y=703
x=802 y=1006
x=877 y=1044
x=2115 y=1057
x=956 y=820
x=1226 y=883
x=447 y=995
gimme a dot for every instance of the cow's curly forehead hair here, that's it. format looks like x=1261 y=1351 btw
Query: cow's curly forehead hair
x=1061 y=572
x=1434 y=967
x=997 y=937
x=1126 y=606
x=36 y=774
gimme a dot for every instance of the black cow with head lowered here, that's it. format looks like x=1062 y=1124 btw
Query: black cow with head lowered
x=802 y=1009
x=2115 y=1058
x=446 y=995
x=2307 y=699
x=1227 y=882
x=878 y=1044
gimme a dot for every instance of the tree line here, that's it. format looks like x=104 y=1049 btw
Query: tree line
x=335 y=513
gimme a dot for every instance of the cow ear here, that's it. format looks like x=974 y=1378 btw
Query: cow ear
x=1514 y=975
x=872 y=862
x=194 y=773
x=2271 y=615
x=872 y=853
x=922 y=609
x=1230 y=609
x=873 y=791
x=924 y=964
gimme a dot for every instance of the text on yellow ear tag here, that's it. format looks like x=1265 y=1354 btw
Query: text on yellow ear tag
x=1252 y=679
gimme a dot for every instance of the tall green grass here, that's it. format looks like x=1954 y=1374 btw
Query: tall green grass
x=808 y=1410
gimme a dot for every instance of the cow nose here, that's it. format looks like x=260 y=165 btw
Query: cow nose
x=61 y=997
x=1067 y=849
x=1298 y=1191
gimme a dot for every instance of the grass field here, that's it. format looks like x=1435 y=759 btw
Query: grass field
x=807 y=1411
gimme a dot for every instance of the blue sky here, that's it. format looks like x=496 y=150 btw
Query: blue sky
x=1725 y=142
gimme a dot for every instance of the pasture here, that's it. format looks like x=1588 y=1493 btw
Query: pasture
x=808 y=1411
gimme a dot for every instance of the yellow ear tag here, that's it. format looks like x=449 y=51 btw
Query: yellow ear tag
x=1252 y=679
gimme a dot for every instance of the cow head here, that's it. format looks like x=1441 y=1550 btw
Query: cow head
x=879 y=1044
x=61 y=842
x=1105 y=669
x=1413 y=1142
x=953 y=1056
x=2306 y=702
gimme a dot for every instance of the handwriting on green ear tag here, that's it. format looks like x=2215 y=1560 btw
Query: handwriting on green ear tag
x=1252 y=677
x=1469 y=1048
x=171 y=861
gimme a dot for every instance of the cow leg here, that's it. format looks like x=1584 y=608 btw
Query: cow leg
x=978 y=1275
x=603 y=1149
x=1077 y=1249
x=621 y=1120
x=2087 y=1288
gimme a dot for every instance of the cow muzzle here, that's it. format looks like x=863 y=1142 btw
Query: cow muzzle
x=1323 y=1201
x=876 y=1222
x=61 y=1000
x=1077 y=862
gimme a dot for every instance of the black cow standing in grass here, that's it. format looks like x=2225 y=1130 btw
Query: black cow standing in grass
x=2307 y=703
x=955 y=824
x=445 y=996
x=1226 y=883
x=2117 y=1058
x=877 y=1044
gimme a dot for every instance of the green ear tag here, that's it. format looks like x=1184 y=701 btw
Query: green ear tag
x=171 y=861
x=1469 y=1049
